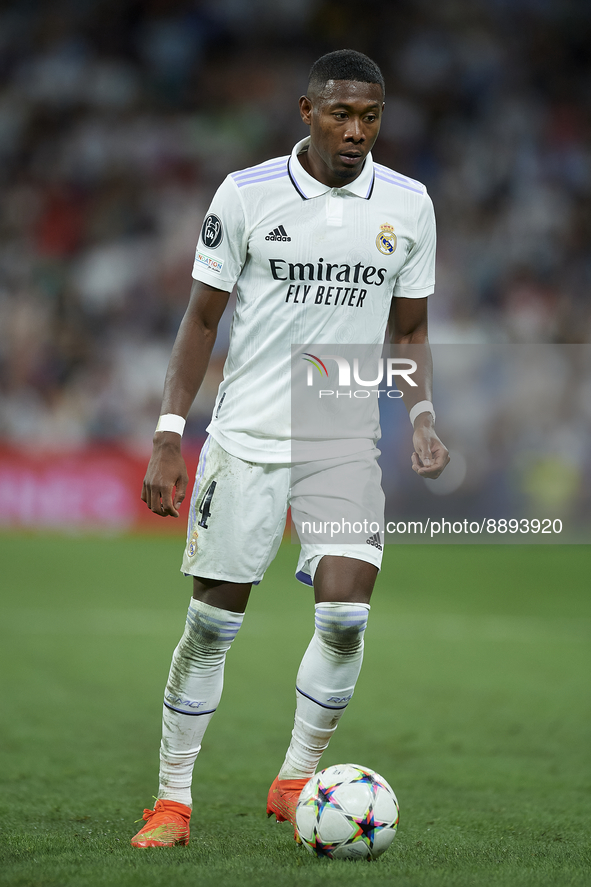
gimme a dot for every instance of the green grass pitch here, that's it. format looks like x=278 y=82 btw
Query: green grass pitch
x=473 y=703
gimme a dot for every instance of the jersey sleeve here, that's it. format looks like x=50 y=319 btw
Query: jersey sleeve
x=221 y=248
x=417 y=277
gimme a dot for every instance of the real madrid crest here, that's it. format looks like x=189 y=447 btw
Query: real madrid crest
x=386 y=240
x=192 y=546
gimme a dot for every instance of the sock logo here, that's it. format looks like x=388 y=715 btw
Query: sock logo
x=375 y=541
x=178 y=700
x=278 y=233
x=340 y=700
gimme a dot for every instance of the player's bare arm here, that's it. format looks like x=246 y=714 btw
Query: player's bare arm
x=408 y=328
x=167 y=472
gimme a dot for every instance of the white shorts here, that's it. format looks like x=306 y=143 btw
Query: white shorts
x=239 y=509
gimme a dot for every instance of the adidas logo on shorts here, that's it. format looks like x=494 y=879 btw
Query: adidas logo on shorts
x=278 y=234
x=375 y=541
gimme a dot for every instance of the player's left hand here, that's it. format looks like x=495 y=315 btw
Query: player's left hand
x=431 y=455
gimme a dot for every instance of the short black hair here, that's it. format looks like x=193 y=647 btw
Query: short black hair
x=344 y=64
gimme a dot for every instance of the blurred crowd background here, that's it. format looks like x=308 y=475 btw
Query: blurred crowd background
x=119 y=119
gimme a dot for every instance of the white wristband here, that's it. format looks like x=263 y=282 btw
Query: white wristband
x=424 y=406
x=170 y=422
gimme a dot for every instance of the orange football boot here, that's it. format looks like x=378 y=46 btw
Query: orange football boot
x=282 y=800
x=166 y=825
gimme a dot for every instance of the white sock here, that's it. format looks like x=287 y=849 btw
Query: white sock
x=325 y=684
x=192 y=694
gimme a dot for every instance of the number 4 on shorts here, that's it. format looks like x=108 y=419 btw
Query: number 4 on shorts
x=205 y=507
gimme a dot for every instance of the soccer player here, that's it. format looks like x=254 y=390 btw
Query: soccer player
x=324 y=245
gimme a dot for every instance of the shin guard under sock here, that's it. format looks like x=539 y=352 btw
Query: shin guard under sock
x=325 y=683
x=192 y=694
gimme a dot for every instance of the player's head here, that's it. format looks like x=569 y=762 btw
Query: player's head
x=344 y=64
x=343 y=108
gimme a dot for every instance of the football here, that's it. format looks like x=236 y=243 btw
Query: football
x=347 y=812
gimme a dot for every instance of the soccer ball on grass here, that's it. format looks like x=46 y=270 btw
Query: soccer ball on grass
x=347 y=812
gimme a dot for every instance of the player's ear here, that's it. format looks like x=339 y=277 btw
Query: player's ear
x=306 y=109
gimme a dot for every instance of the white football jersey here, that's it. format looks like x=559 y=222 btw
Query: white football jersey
x=311 y=264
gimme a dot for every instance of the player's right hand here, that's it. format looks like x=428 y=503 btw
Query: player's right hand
x=166 y=480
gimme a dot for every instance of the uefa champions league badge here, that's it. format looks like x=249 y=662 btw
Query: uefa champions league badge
x=386 y=240
x=192 y=546
x=212 y=232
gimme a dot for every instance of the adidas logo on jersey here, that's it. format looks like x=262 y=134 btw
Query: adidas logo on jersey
x=278 y=234
x=375 y=541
